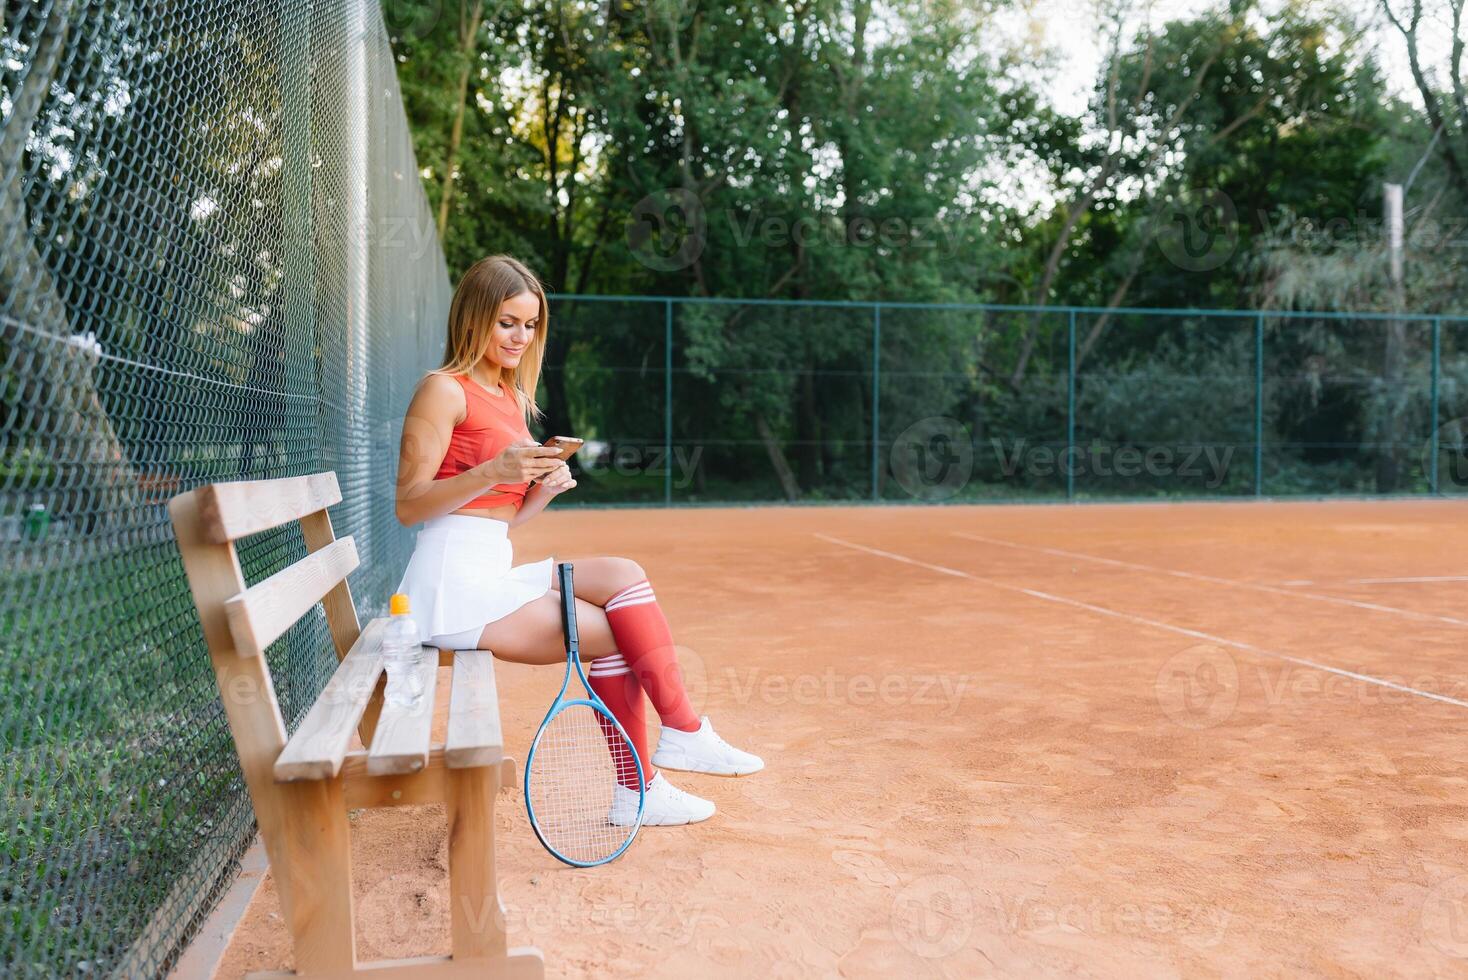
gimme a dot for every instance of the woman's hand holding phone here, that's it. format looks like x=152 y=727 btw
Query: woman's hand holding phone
x=525 y=461
x=565 y=445
x=559 y=480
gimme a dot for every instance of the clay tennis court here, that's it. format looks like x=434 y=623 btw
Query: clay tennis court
x=1203 y=739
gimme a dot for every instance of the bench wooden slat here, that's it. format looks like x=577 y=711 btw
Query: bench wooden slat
x=401 y=743
x=261 y=613
x=365 y=790
x=230 y=511
x=341 y=612
x=317 y=749
x=473 y=737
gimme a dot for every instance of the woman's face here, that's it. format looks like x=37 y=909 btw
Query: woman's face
x=514 y=330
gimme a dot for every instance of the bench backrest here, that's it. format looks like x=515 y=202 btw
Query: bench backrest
x=241 y=620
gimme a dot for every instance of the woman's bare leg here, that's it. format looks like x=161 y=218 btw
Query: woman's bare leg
x=532 y=634
x=598 y=579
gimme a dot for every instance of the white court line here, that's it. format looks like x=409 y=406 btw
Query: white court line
x=1214 y=579
x=1408 y=579
x=1155 y=624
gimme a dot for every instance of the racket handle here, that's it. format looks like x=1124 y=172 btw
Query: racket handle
x=568 y=608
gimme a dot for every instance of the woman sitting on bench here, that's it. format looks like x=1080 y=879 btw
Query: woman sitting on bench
x=469 y=471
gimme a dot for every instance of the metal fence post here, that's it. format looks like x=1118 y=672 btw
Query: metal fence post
x=356 y=465
x=667 y=402
x=1437 y=362
x=1259 y=405
x=876 y=398
x=1070 y=415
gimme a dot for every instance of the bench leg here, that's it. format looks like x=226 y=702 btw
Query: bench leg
x=476 y=916
x=318 y=873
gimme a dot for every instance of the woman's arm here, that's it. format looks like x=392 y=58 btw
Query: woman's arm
x=557 y=482
x=436 y=406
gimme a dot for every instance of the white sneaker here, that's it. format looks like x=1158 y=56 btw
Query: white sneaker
x=703 y=751
x=666 y=806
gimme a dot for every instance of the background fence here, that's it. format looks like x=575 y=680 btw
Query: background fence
x=708 y=400
x=217 y=262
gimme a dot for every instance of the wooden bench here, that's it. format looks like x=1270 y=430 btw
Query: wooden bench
x=303 y=788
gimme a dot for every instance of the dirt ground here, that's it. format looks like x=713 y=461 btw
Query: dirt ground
x=1112 y=741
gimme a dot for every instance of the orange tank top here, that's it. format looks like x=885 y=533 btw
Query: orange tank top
x=490 y=424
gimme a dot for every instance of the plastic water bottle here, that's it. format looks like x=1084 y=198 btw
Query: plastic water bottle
x=402 y=656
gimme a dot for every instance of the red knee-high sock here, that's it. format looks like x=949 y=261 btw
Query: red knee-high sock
x=613 y=682
x=643 y=638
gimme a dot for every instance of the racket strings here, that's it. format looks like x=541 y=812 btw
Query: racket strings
x=572 y=785
x=624 y=758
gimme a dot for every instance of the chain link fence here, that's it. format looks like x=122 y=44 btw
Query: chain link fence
x=689 y=400
x=216 y=263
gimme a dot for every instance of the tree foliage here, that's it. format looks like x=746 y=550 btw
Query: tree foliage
x=858 y=150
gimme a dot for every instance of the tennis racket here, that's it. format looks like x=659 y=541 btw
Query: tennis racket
x=571 y=791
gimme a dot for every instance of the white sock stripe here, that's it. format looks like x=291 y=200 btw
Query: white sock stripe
x=640 y=588
x=610 y=660
x=645 y=597
x=630 y=602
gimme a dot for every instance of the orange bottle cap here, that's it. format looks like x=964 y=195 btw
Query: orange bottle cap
x=398 y=605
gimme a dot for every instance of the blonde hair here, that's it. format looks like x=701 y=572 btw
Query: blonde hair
x=475 y=310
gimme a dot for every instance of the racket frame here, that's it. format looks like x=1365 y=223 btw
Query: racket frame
x=573 y=662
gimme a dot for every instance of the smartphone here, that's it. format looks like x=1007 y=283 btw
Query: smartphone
x=566 y=444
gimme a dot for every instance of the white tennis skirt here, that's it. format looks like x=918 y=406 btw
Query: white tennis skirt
x=461 y=576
